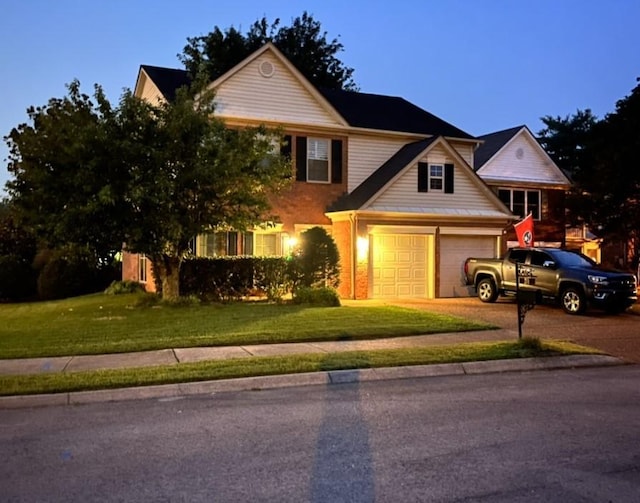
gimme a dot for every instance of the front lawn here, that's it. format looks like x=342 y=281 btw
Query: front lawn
x=96 y=324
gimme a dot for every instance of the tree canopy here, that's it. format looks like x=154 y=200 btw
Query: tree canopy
x=150 y=176
x=303 y=43
x=602 y=158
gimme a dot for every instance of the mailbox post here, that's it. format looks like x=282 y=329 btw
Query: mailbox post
x=525 y=299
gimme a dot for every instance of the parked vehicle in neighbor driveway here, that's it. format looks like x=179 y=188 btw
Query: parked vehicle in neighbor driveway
x=567 y=277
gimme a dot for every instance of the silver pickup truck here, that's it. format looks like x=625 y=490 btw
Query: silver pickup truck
x=567 y=277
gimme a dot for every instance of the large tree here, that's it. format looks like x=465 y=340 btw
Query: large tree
x=150 y=176
x=611 y=178
x=303 y=43
x=603 y=159
x=565 y=139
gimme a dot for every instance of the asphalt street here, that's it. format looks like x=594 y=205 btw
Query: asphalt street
x=565 y=435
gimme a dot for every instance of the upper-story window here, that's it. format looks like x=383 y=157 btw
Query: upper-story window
x=521 y=202
x=436 y=176
x=318 y=160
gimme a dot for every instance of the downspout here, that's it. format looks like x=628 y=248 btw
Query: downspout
x=353 y=219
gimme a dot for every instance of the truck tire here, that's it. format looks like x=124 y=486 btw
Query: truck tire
x=487 y=291
x=572 y=300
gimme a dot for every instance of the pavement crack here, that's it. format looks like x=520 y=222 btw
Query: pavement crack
x=64 y=369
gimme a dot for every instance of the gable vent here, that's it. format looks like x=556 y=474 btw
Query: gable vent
x=266 y=69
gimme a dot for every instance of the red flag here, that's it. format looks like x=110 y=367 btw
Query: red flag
x=524 y=231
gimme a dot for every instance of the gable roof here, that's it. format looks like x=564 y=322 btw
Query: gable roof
x=381 y=176
x=493 y=142
x=361 y=110
x=167 y=80
x=390 y=113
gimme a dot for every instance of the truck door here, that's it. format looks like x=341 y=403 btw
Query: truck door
x=544 y=274
x=509 y=267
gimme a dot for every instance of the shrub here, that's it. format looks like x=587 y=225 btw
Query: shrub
x=65 y=276
x=70 y=272
x=272 y=275
x=319 y=296
x=127 y=286
x=316 y=260
x=17 y=279
x=219 y=279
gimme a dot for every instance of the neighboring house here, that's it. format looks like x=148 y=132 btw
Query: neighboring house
x=392 y=183
x=526 y=180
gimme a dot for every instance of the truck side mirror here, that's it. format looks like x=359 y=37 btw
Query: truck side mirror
x=549 y=264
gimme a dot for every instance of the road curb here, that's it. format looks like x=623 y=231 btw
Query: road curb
x=181 y=390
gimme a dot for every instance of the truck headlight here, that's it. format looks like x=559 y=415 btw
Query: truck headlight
x=598 y=280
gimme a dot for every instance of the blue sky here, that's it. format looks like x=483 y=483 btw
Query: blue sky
x=481 y=65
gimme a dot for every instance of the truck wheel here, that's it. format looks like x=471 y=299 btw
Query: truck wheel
x=573 y=301
x=487 y=291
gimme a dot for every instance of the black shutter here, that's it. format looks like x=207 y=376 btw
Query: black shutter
x=448 y=178
x=301 y=158
x=423 y=177
x=285 y=148
x=336 y=161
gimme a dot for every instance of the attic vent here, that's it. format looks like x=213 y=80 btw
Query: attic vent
x=519 y=153
x=266 y=69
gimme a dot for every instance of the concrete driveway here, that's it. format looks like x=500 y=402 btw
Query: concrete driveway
x=617 y=335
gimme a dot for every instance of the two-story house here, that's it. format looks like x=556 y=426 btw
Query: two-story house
x=392 y=183
x=526 y=180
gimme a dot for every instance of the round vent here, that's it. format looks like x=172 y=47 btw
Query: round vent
x=266 y=69
x=520 y=153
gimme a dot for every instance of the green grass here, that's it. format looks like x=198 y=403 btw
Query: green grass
x=97 y=324
x=261 y=366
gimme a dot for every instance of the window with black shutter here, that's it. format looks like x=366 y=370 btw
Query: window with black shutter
x=423 y=177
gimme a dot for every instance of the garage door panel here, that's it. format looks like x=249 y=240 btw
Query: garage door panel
x=454 y=250
x=399 y=265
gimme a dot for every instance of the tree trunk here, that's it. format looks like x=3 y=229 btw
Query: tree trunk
x=167 y=267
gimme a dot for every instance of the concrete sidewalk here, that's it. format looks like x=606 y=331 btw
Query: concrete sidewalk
x=26 y=366
x=68 y=364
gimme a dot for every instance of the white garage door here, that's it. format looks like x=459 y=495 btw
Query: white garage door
x=399 y=265
x=454 y=250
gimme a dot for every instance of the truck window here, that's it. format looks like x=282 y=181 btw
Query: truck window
x=518 y=256
x=539 y=258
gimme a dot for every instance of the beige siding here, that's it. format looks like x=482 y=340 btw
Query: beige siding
x=149 y=92
x=403 y=195
x=465 y=150
x=368 y=153
x=522 y=161
x=280 y=97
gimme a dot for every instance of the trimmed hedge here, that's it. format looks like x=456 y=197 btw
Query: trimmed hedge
x=232 y=278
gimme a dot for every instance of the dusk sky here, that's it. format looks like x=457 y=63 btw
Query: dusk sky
x=483 y=65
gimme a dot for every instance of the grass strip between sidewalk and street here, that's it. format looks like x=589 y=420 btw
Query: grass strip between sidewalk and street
x=275 y=365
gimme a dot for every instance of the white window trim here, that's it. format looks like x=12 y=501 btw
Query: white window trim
x=142 y=268
x=309 y=158
x=439 y=177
